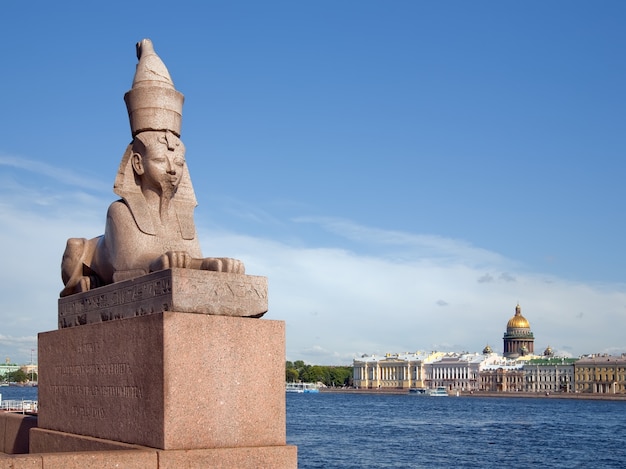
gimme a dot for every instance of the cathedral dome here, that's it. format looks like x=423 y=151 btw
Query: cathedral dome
x=518 y=321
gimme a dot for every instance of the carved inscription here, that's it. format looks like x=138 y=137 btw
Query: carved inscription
x=178 y=290
x=94 y=369
x=87 y=411
x=94 y=388
x=240 y=290
x=131 y=392
x=90 y=347
x=137 y=291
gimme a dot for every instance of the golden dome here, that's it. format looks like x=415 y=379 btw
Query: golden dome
x=518 y=321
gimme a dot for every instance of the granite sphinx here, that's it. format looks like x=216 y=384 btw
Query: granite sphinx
x=151 y=227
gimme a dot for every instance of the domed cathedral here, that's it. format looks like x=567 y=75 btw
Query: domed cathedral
x=518 y=338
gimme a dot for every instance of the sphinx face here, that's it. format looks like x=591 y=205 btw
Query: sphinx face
x=162 y=168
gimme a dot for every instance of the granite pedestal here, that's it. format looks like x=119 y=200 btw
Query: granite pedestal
x=166 y=380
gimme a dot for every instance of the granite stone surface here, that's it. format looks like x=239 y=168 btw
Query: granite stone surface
x=182 y=290
x=167 y=380
x=270 y=457
x=51 y=441
x=14 y=432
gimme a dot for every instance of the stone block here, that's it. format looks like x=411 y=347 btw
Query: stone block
x=269 y=457
x=51 y=441
x=14 y=432
x=101 y=460
x=167 y=380
x=273 y=457
x=21 y=461
x=182 y=290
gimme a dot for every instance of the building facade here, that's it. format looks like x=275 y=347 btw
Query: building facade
x=454 y=372
x=517 y=370
x=500 y=374
x=393 y=371
x=600 y=374
x=550 y=374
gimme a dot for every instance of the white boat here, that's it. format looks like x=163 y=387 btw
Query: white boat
x=301 y=388
x=438 y=392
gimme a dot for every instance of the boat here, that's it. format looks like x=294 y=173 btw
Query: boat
x=440 y=391
x=418 y=391
x=302 y=388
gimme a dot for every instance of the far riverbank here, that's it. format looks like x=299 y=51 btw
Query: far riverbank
x=561 y=395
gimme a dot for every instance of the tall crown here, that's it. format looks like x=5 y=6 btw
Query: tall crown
x=153 y=103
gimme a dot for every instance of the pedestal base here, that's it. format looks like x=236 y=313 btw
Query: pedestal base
x=266 y=457
x=167 y=380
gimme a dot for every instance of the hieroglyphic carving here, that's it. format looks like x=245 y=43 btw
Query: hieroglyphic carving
x=178 y=290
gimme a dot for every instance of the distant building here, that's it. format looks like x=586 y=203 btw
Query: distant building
x=601 y=374
x=518 y=338
x=550 y=374
x=393 y=371
x=517 y=370
x=501 y=375
x=8 y=368
x=454 y=372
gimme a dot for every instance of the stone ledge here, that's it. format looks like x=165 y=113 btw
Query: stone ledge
x=181 y=290
x=51 y=441
x=14 y=432
x=268 y=457
x=70 y=451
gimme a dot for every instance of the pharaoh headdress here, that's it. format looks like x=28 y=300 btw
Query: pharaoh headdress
x=153 y=105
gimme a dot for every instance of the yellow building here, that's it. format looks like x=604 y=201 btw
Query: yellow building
x=601 y=374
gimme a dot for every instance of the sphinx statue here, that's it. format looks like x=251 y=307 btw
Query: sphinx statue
x=151 y=227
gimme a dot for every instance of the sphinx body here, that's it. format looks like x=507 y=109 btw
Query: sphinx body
x=151 y=227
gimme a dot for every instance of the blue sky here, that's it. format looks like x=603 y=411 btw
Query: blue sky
x=403 y=172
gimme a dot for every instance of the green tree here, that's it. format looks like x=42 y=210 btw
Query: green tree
x=17 y=376
x=340 y=376
x=292 y=375
x=329 y=375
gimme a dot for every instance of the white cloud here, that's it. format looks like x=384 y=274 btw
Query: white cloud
x=348 y=304
x=62 y=175
x=393 y=292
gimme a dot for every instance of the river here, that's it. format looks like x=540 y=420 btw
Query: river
x=408 y=431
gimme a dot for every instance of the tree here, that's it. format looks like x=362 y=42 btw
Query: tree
x=329 y=375
x=17 y=376
x=292 y=375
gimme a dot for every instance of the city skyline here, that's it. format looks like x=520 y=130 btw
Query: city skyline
x=404 y=174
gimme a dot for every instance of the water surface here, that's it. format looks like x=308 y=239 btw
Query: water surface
x=407 y=431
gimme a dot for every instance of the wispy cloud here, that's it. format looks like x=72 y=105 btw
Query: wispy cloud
x=427 y=246
x=338 y=302
x=62 y=175
x=369 y=300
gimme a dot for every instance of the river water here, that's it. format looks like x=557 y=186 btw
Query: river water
x=18 y=393
x=408 y=431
